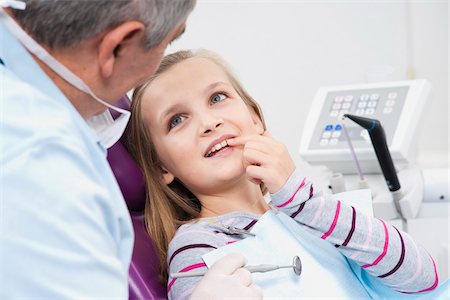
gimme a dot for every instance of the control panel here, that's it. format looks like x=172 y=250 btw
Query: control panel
x=397 y=105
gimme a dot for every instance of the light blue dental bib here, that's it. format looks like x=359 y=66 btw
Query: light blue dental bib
x=326 y=272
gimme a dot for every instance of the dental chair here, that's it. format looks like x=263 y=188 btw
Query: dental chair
x=143 y=273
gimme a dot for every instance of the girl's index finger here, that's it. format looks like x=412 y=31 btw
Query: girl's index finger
x=241 y=140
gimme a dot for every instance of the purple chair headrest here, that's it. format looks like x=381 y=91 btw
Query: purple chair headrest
x=128 y=174
x=129 y=177
x=143 y=279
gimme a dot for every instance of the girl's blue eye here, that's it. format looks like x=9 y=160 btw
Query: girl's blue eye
x=217 y=98
x=175 y=121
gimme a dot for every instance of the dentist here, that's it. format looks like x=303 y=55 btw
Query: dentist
x=65 y=231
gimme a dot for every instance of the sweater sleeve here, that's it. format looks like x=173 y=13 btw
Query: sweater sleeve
x=378 y=247
x=185 y=254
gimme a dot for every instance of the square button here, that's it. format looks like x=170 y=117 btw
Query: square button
x=323 y=142
x=334 y=141
x=390 y=103
x=387 y=110
x=364 y=97
x=334 y=113
x=348 y=98
x=392 y=95
x=336 y=106
x=374 y=97
x=326 y=134
x=339 y=99
x=346 y=105
x=370 y=111
x=336 y=134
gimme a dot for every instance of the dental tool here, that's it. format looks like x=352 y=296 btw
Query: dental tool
x=296 y=267
x=235 y=230
x=362 y=181
x=378 y=138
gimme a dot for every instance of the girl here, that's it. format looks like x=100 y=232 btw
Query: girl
x=202 y=143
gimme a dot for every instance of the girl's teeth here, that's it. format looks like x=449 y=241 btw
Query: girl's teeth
x=217 y=147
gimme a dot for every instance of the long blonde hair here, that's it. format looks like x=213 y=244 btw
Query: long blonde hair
x=169 y=206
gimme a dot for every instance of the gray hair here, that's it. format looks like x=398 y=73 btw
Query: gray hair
x=66 y=23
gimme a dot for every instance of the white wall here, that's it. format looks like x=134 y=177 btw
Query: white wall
x=430 y=57
x=284 y=50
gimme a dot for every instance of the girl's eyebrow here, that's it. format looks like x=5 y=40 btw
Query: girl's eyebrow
x=214 y=85
x=168 y=111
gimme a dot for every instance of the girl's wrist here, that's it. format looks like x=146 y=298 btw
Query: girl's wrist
x=289 y=189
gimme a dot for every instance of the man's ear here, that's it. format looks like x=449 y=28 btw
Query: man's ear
x=167 y=176
x=112 y=42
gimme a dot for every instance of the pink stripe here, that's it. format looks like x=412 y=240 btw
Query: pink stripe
x=231 y=242
x=292 y=198
x=436 y=281
x=318 y=212
x=333 y=225
x=366 y=242
x=386 y=244
x=188 y=268
x=419 y=265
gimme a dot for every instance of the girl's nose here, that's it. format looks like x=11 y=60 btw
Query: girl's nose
x=211 y=124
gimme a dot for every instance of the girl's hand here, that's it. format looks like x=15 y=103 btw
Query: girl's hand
x=265 y=160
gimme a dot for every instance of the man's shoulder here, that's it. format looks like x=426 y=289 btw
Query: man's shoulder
x=24 y=105
x=32 y=120
x=43 y=143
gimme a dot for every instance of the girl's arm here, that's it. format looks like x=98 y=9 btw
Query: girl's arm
x=378 y=247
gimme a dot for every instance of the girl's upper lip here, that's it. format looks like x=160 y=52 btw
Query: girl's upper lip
x=217 y=141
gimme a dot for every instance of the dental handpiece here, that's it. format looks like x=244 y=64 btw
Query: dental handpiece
x=296 y=266
x=378 y=138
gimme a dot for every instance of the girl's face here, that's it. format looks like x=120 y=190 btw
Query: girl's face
x=191 y=110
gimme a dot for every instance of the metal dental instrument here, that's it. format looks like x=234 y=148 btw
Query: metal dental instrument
x=235 y=230
x=296 y=267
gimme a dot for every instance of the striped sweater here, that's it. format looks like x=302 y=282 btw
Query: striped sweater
x=381 y=249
